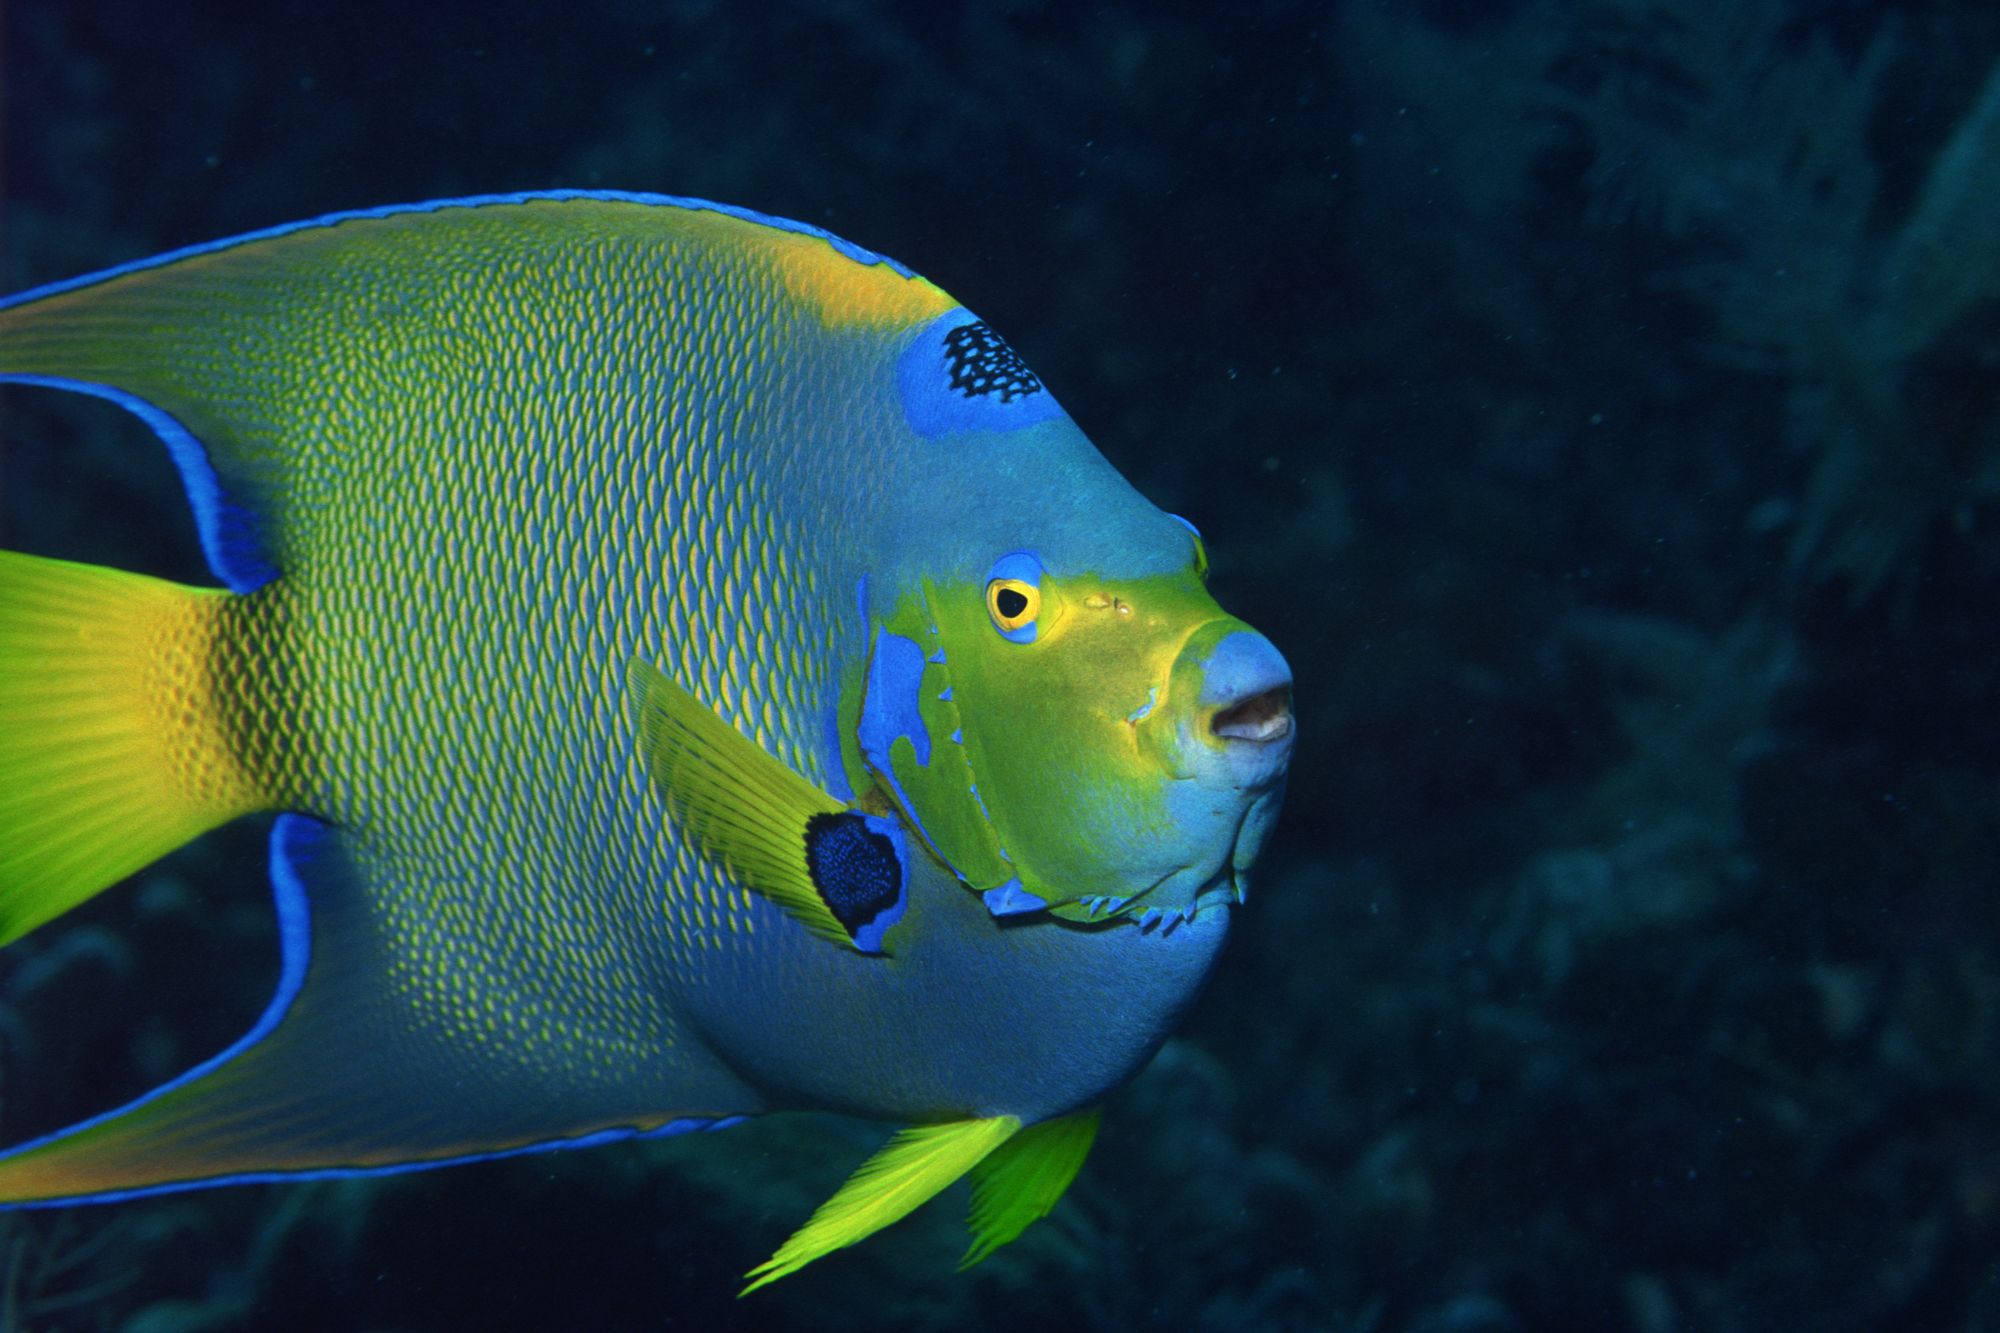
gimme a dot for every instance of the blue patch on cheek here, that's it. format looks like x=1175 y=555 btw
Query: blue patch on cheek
x=958 y=375
x=890 y=710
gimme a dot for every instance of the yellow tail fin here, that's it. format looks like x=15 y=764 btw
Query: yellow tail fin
x=113 y=745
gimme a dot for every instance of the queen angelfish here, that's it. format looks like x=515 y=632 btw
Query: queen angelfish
x=701 y=672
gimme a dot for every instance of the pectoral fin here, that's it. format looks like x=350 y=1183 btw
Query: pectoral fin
x=842 y=874
x=915 y=1165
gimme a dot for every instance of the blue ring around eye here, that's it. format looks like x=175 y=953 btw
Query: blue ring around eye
x=1024 y=567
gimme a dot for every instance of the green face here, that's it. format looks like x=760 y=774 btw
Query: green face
x=1096 y=746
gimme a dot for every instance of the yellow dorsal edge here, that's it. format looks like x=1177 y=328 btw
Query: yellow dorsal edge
x=846 y=293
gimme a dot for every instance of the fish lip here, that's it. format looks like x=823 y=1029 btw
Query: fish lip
x=1263 y=718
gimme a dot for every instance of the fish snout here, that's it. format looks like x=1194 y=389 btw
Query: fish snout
x=1238 y=730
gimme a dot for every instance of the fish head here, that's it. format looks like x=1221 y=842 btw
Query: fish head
x=1099 y=746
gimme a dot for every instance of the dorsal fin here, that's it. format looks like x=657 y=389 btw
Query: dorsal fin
x=242 y=353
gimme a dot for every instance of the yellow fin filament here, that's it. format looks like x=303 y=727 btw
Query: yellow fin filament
x=911 y=1167
x=1024 y=1177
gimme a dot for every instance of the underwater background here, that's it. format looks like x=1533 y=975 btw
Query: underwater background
x=1597 y=400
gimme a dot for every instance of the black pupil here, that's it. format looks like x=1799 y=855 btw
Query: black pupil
x=1009 y=603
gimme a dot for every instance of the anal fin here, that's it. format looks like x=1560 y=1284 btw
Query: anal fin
x=335 y=1079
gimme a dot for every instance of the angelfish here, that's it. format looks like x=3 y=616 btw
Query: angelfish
x=700 y=671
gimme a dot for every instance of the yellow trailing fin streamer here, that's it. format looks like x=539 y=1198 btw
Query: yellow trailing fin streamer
x=912 y=1167
x=1022 y=1179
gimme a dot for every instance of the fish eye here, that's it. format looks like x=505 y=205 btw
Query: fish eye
x=1014 y=595
x=1013 y=604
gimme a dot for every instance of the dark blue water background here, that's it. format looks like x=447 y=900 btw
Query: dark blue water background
x=1596 y=399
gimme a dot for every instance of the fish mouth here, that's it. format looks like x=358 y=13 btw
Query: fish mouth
x=1261 y=719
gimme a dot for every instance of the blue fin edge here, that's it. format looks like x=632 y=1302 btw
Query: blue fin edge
x=857 y=253
x=228 y=532
x=293 y=838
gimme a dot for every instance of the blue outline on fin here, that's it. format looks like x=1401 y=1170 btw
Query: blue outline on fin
x=868 y=939
x=228 y=532
x=293 y=837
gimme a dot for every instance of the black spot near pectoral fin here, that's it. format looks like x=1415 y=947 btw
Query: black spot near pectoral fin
x=859 y=863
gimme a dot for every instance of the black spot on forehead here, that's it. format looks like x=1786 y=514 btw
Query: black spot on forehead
x=981 y=364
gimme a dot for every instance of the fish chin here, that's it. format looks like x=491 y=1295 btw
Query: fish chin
x=1179 y=898
x=1213 y=897
x=1211 y=886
